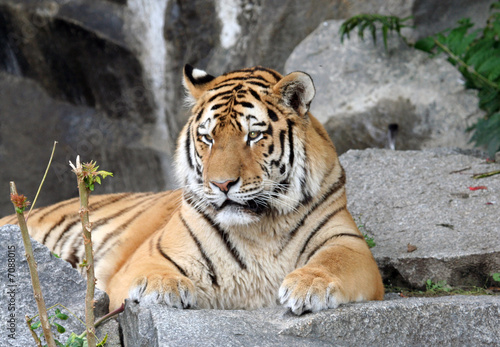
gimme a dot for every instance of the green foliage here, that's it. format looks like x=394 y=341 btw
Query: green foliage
x=91 y=175
x=475 y=53
x=496 y=276
x=369 y=240
x=56 y=320
x=370 y=22
x=437 y=287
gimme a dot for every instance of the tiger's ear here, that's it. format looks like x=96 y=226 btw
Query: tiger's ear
x=297 y=91
x=196 y=81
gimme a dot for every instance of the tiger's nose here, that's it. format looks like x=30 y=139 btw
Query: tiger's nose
x=224 y=186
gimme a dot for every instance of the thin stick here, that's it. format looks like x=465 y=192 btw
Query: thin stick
x=37 y=290
x=89 y=257
x=109 y=315
x=43 y=180
x=35 y=336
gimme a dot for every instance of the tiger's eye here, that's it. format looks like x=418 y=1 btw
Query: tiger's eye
x=253 y=134
x=207 y=138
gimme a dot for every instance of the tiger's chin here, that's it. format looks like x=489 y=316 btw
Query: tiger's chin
x=236 y=216
x=231 y=213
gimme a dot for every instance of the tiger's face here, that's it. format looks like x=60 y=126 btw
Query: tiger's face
x=241 y=155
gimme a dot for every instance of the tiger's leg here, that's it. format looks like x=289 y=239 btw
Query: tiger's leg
x=341 y=271
x=150 y=276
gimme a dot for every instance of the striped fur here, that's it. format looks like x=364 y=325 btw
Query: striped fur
x=261 y=216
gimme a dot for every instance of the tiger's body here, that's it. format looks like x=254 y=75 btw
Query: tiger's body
x=261 y=216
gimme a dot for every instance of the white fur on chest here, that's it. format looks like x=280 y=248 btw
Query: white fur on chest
x=249 y=288
x=246 y=278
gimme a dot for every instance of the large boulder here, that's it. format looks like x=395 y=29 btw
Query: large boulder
x=429 y=218
x=363 y=88
x=67 y=74
x=449 y=321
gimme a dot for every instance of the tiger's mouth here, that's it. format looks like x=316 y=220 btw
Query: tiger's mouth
x=253 y=206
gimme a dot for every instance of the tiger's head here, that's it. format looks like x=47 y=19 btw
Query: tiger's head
x=251 y=148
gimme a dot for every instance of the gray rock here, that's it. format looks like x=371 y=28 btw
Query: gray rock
x=423 y=199
x=61 y=284
x=67 y=72
x=362 y=88
x=445 y=321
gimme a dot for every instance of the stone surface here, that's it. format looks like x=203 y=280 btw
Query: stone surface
x=67 y=74
x=422 y=198
x=61 y=284
x=446 y=321
x=362 y=88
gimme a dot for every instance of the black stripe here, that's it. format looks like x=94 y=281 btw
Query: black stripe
x=258 y=84
x=229 y=92
x=207 y=260
x=290 y=141
x=270 y=149
x=335 y=187
x=255 y=94
x=321 y=224
x=271 y=72
x=198 y=116
x=51 y=209
x=165 y=255
x=223 y=235
x=215 y=107
x=272 y=115
x=245 y=104
x=282 y=144
x=188 y=145
x=315 y=250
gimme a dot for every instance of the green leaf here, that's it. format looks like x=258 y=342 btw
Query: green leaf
x=60 y=328
x=496 y=276
x=103 y=342
x=494 y=73
x=492 y=62
x=425 y=44
x=36 y=325
x=62 y=316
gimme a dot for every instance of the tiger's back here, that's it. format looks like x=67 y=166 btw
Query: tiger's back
x=262 y=216
x=120 y=223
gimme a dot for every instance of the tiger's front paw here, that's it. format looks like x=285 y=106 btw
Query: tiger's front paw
x=312 y=290
x=174 y=291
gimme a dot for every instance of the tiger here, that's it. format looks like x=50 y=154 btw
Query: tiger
x=260 y=219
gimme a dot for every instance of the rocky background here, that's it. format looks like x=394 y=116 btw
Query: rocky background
x=103 y=79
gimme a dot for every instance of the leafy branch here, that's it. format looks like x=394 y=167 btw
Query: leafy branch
x=20 y=203
x=87 y=174
x=371 y=22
